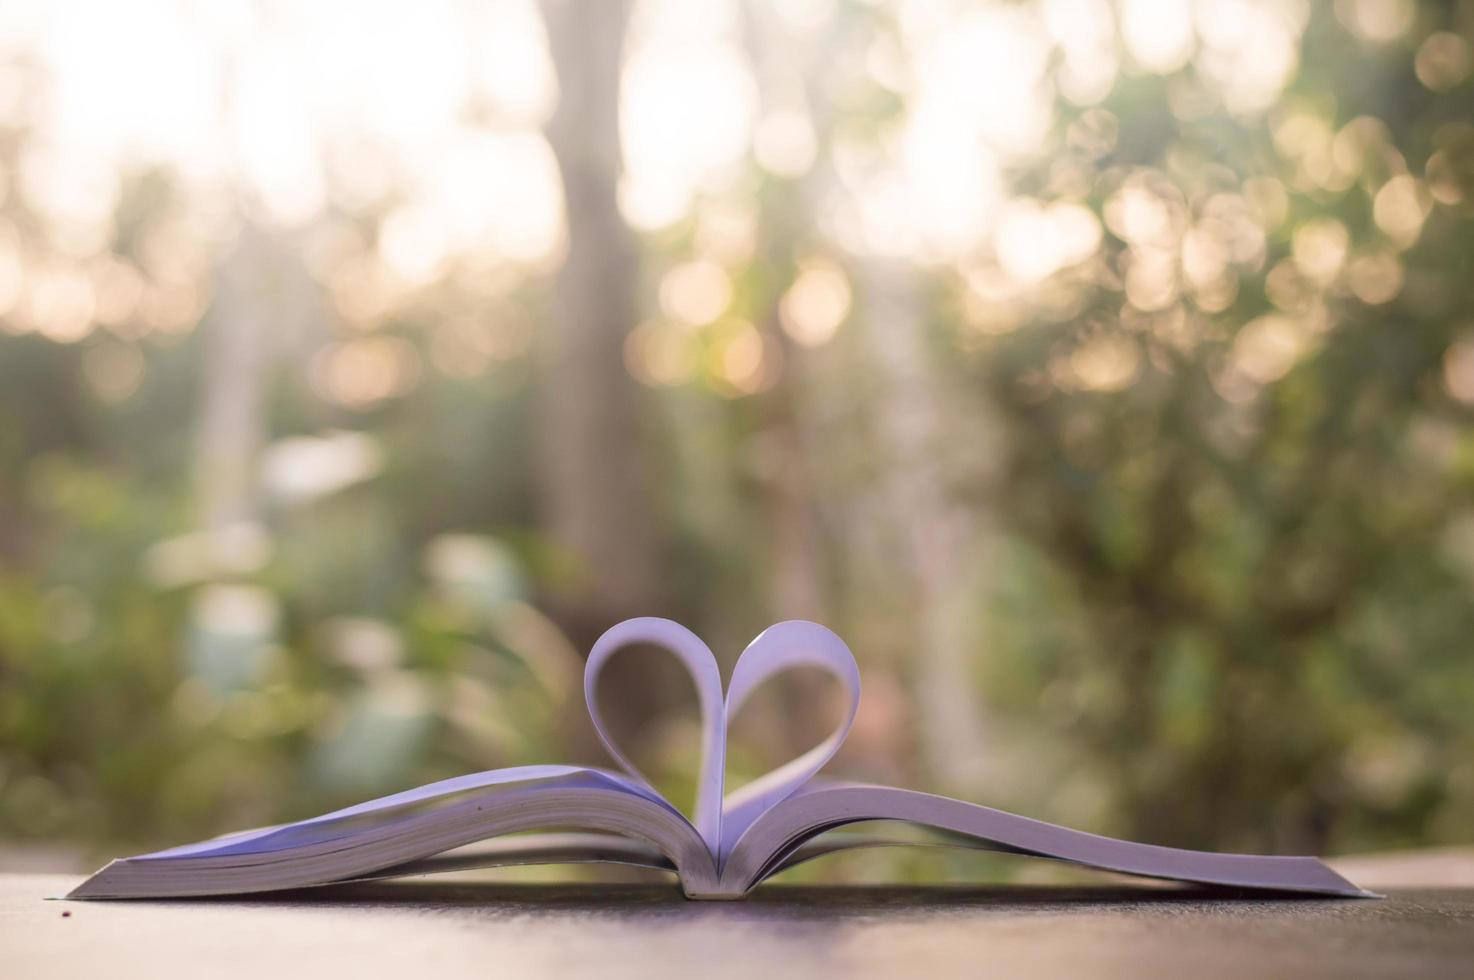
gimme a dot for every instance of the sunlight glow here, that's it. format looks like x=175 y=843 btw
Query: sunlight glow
x=695 y=293
x=1400 y=208
x=813 y=308
x=1250 y=48
x=1268 y=347
x=234 y=94
x=687 y=105
x=981 y=97
x=742 y=361
x=1444 y=60
x=1376 y=21
x=1033 y=240
x=1085 y=32
x=1158 y=33
x=784 y=143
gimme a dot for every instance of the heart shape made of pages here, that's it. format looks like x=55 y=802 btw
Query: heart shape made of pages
x=796 y=643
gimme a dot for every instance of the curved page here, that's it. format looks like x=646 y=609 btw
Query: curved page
x=796 y=643
x=778 y=834
x=696 y=657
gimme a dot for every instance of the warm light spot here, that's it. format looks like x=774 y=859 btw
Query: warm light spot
x=365 y=291
x=361 y=373
x=661 y=354
x=1287 y=288
x=73 y=193
x=1231 y=220
x=1079 y=23
x=984 y=70
x=687 y=102
x=1267 y=348
x=784 y=143
x=61 y=305
x=943 y=194
x=1251 y=49
x=1158 y=33
x=414 y=244
x=1360 y=142
x=174 y=250
x=1443 y=61
x=1445 y=183
x=118 y=288
x=1399 y=209
x=273 y=134
x=509 y=61
x=1151 y=279
x=1205 y=266
x=1300 y=133
x=1375 y=278
x=813 y=308
x=171 y=310
x=1086 y=78
x=1319 y=246
x=1458 y=370
x=1216 y=295
x=993 y=302
x=492 y=192
x=696 y=292
x=1085 y=32
x=1033 y=241
x=1308 y=140
x=926 y=187
x=1268 y=201
x=1145 y=210
x=1204 y=259
x=742 y=361
x=1377 y=21
x=1110 y=362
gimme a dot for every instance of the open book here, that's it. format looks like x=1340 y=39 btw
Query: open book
x=733 y=843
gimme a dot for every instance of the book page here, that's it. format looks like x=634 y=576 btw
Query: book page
x=796 y=643
x=386 y=809
x=816 y=809
x=696 y=657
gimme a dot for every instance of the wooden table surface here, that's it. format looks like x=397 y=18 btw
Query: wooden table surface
x=427 y=927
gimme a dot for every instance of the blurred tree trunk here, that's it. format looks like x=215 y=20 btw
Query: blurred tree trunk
x=594 y=477
x=594 y=472
x=942 y=539
x=232 y=426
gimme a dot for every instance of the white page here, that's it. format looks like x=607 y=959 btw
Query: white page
x=795 y=643
x=697 y=658
x=817 y=808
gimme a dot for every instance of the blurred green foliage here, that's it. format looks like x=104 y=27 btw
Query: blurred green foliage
x=1253 y=579
x=1229 y=479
